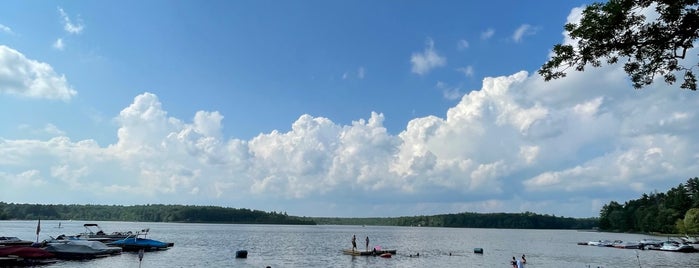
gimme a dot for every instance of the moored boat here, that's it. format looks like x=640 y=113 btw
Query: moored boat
x=95 y=233
x=140 y=242
x=650 y=243
x=13 y=241
x=81 y=249
x=627 y=245
x=676 y=246
x=25 y=255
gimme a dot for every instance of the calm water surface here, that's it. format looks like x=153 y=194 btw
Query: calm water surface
x=214 y=245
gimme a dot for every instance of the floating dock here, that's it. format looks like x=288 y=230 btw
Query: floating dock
x=368 y=252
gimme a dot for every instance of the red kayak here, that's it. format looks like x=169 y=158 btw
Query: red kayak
x=385 y=255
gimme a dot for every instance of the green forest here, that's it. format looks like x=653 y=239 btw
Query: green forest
x=146 y=213
x=527 y=220
x=673 y=212
x=212 y=214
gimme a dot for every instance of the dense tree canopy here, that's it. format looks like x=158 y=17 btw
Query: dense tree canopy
x=527 y=220
x=675 y=211
x=618 y=30
x=151 y=213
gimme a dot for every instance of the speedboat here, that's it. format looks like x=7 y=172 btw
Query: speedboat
x=95 y=233
x=650 y=243
x=601 y=243
x=676 y=246
x=140 y=242
x=80 y=249
x=630 y=245
x=13 y=241
x=24 y=256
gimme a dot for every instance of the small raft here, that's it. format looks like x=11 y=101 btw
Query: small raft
x=369 y=252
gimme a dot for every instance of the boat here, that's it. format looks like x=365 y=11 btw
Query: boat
x=676 y=246
x=376 y=251
x=13 y=241
x=627 y=245
x=95 y=233
x=601 y=243
x=80 y=249
x=24 y=256
x=140 y=242
x=650 y=243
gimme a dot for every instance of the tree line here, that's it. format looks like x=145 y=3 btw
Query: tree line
x=675 y=211
x=214 y=214
x=526 y=220
x=148 y=213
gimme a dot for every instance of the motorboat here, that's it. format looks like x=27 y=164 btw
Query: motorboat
x=80 y=249
x=140 y=242
x=24 y=256
x=601 y=243
x=676 y=246
x=650 y=243
x=13 y=241
x=95 y=233
x=627 y=245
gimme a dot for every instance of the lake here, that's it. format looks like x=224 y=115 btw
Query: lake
x=214 y=245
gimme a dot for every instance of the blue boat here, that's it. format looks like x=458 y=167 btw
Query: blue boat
x=140 y=242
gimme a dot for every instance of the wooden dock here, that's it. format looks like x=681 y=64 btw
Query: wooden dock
x=368 y=252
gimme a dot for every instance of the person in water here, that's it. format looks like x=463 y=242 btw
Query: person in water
x=367 y=243
x=524 y=260
x=354 y=242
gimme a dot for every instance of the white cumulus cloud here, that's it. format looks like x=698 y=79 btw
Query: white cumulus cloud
x=30 y=78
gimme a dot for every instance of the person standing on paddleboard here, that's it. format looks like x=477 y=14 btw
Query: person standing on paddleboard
x=354 y=242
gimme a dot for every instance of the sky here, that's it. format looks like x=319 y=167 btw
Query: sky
x=326 y=108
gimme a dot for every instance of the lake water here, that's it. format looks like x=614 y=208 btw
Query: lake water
x=214 y=245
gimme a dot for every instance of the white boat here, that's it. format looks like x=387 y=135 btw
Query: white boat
x=13 y=241
x=676 y=246
x=629 y=245
x=94 y=232
x=601 y=243
x=650 y=243
x=80 y=249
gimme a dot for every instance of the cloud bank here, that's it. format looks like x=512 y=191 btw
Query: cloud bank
x=516 y=144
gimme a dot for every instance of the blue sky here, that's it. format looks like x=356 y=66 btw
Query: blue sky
x=325 y=108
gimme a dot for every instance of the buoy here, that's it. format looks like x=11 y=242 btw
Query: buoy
x=478 y=250
x=241 y=254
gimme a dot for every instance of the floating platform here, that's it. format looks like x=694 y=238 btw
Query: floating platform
x=368 y=252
